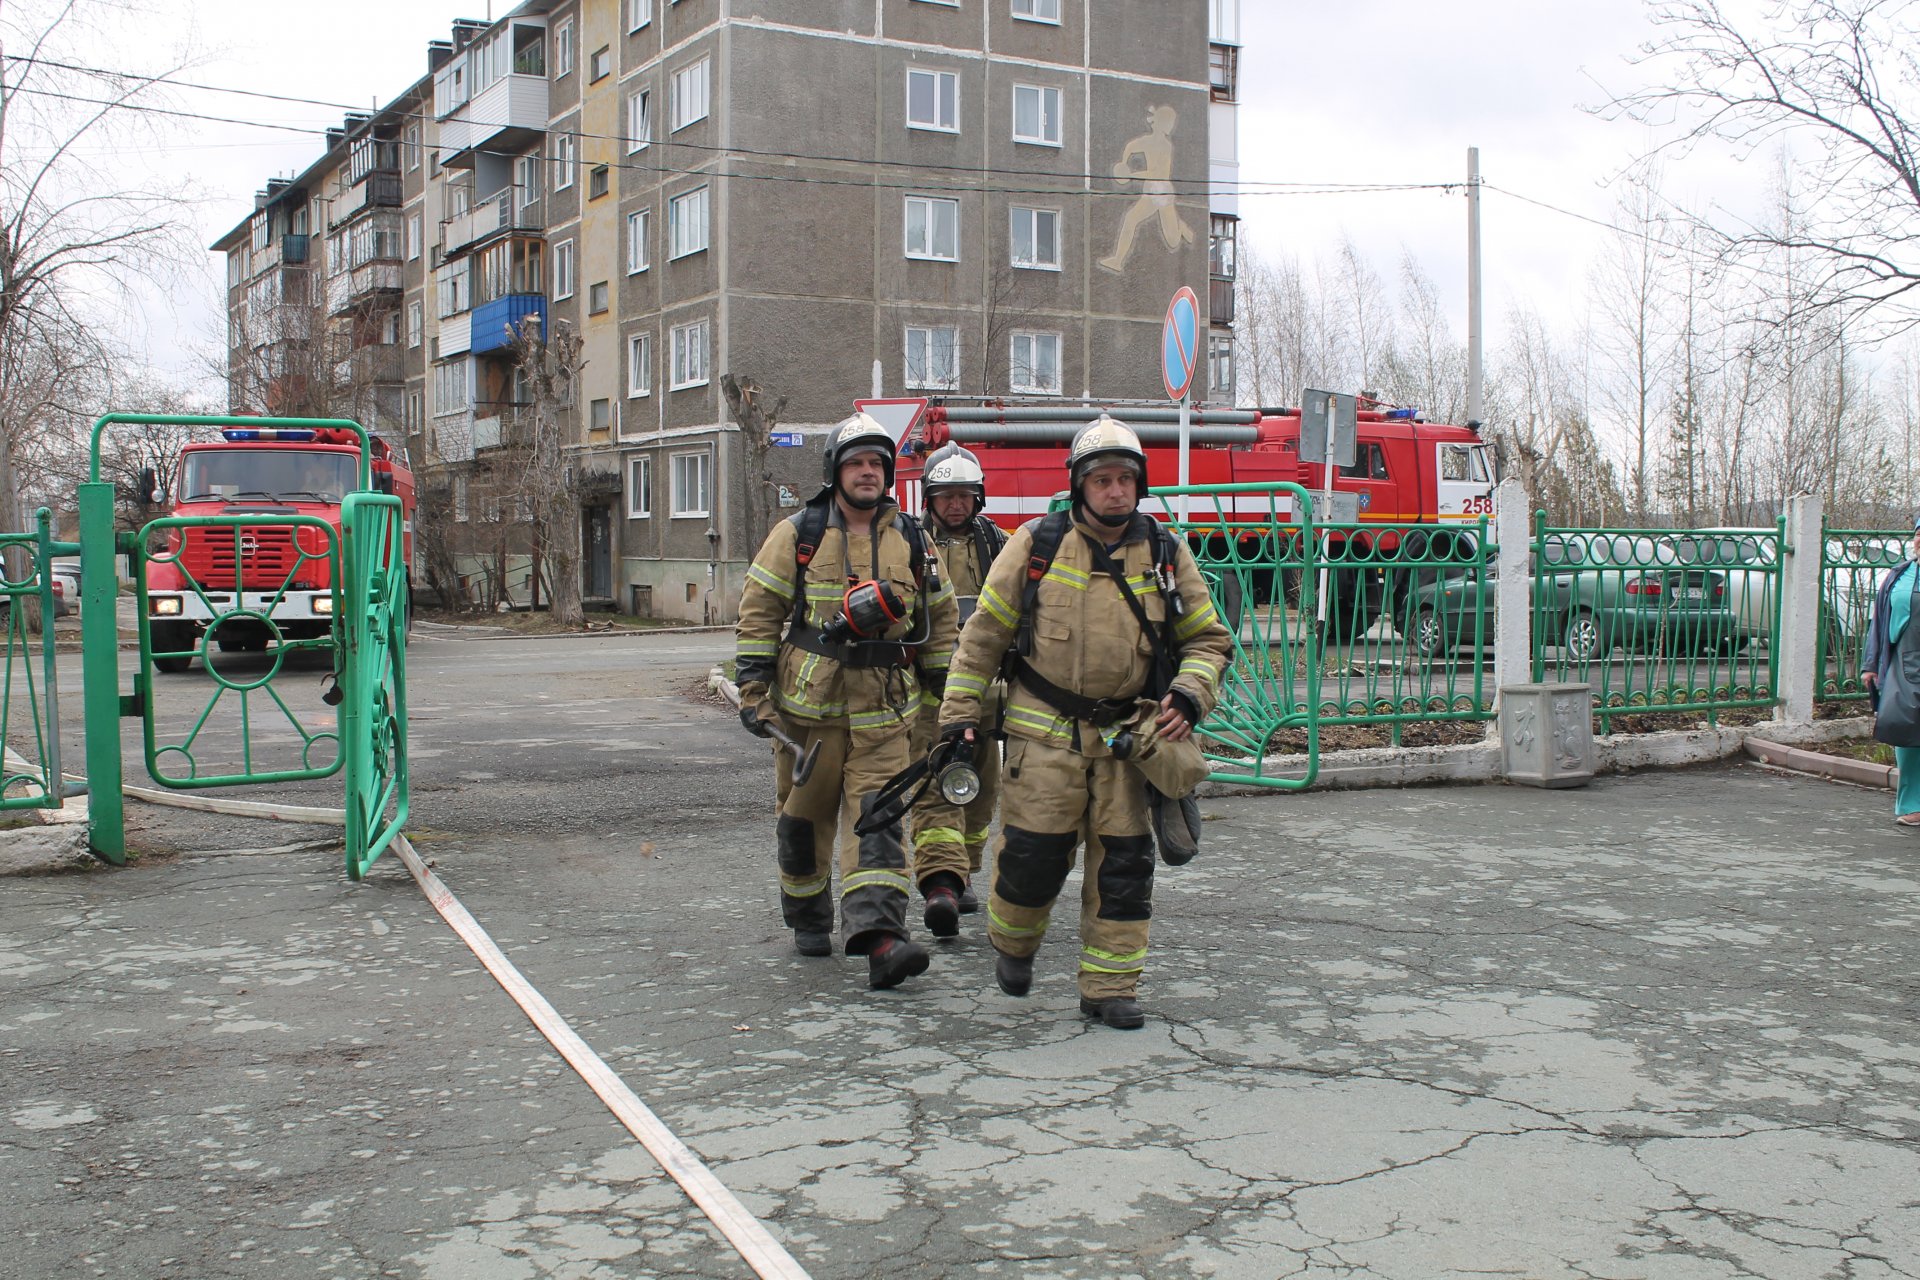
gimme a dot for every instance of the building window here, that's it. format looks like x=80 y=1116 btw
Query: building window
x=639 y=121
x=1223 y=72
x=692 y=473
x=1035 y=364
x=933 y=228
x=597 y=182
x=637 y=228
x=639 y=364
x=563 y=49
x=1035 y=237
x=597 y=298
x=599 y=415
x=1036 y=115
x=1220 y=367
x=1223 y=21
x=689 y=97
x=563 y=269
x=415 y=233
x=1221 y=255
x=639 y=14
x=460 y=499
x=599 y=64
x=389 y=328
x=236 y=267
x=933 y=357
x=412 y=147
x=687 y=223
x=455 y=284
x=1037 y=10
x=416 y=324
x=933 y=100
x=563 y=161
x=639 y=488
x=689 y=355
x=526 y=176
x=450 y=391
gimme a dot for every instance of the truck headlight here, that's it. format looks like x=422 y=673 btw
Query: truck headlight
x=323 y=603
x=164 y=606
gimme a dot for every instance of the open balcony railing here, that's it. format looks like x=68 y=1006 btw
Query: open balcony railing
x=499 y=212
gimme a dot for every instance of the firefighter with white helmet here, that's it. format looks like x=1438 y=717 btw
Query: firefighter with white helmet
x=1103 y=608
x=949 y=840
x=845 y=624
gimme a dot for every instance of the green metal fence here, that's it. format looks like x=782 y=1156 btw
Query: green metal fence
x=1852 y=563
x=29 y=691
x=265 y=720
x=1658 y=620
x=373 y=714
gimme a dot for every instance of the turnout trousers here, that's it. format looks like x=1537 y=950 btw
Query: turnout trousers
x=1055 y=799
x=945 y=837
x=853 y=764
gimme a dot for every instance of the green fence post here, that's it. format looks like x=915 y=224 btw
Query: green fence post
x=100 y=673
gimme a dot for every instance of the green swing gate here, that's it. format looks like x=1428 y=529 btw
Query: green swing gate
x=364 y=563
x=29 y=691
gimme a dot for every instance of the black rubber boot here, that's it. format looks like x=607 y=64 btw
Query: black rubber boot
x=893 y=960
x=809 y=943
x=943 y=913
x=968 y=902
x=1122 y=1013
x=1013 y=973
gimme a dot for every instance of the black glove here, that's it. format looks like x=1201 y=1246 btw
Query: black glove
x=956 y=731
x=1186 y=707
x=752 y=721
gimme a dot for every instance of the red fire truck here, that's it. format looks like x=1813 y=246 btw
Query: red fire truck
x=266 y=471
x=1406 y=471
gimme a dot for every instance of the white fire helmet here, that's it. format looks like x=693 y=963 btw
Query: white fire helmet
x=1105 y=439
x=952 y=467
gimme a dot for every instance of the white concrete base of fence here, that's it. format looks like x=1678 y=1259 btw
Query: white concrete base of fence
x=1480 y=761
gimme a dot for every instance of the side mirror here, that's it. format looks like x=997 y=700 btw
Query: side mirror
x=148 y=481
x=383 y=482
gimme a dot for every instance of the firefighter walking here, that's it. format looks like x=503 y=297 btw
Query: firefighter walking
x=844 y=621
x=949 y=840
x=1115 y=607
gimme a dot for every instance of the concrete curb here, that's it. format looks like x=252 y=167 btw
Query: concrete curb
x=588 y=635
x=1860 y=772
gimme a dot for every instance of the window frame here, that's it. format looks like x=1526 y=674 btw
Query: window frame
x=643 y=490
x=599 y=181
x=939 y=77
x=1220 y=350
x=563 y=274
x=1033 y=13
x=566 y=159
x=640 y=242
x=675 y=497
x=1059 y=116
x=527 y=178
x=674 y=380
x=599 y=405
x=675 y=122
x=676 y=220
x=563 y=48
x=599 y=298
x=416 y=324
x=926 y=381
x=642 y=343
x=1033 y=222
x=1033 y=336
x=639 y=15
x=600 y=64
x=928 y=254
x=640 y=131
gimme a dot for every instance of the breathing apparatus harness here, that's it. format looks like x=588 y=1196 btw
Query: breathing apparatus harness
x=870 y=607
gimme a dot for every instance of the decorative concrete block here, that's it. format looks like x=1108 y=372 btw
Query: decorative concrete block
x=1546 y=734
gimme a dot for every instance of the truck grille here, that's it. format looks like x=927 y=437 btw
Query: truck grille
x=267 y=556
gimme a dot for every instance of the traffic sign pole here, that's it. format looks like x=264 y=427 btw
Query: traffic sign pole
x=1186 y=445
x=1179 y=352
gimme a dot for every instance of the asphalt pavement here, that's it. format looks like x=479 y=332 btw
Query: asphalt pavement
x=1664 y=1026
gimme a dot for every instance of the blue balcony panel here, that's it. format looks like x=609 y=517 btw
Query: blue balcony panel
x=491 y=320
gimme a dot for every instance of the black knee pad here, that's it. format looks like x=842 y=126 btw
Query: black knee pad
x=1033 y=865
x=796 y=845
x=881 y=847
x=1126 y=878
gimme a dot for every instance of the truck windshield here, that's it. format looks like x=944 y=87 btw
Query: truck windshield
x=271 y=474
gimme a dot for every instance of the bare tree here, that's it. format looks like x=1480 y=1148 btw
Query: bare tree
x=1632 y=345
x=1827 y=78
x=73 y=236
x=550 y=369
x=758 y=415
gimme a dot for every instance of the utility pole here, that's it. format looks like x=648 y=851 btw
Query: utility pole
x=1476 y=343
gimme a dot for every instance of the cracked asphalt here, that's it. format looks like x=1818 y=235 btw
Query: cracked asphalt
x=1664 y=1026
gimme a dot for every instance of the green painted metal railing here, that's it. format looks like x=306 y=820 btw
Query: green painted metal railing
x=373 y=714
x=316 y=550
x=1247 y=540
x=1659 y=620
x=1852 y=563
x=29 y=702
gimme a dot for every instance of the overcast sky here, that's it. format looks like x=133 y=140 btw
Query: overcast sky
x=1363 y=91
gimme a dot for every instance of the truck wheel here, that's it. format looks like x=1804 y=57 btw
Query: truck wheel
x=1231 y=599
x=168 y=637
x=1351 y=608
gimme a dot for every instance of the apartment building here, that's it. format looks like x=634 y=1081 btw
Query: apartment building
x=824 y=199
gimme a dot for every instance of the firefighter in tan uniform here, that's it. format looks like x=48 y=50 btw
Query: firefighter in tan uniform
x=1086 y=663
x=948 y=840
x=844 y=621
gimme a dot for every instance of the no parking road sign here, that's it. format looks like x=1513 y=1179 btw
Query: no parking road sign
x=1180 y=343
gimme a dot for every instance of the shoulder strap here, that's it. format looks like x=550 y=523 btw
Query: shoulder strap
x=1048 y=530
x=917 y=551
x=810 y=524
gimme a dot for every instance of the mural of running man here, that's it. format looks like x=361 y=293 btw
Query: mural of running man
x=1149 y=158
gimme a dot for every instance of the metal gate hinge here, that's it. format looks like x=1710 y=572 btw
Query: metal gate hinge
x=132 y=705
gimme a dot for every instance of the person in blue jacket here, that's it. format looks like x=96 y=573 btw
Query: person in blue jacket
x=1892 y=612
